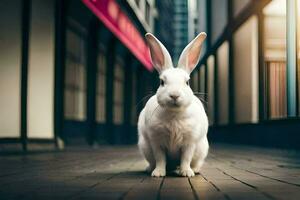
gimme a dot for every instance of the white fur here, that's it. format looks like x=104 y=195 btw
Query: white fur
x=173 y=130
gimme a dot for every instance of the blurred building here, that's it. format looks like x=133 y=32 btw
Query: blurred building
x=176 y=25
x=180 y=27
x=249 y=71
x=73 y=69
x=164 y=24
x=80 y=70
x=193 y=12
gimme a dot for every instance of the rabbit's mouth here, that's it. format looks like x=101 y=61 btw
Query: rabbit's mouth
x=174 y=104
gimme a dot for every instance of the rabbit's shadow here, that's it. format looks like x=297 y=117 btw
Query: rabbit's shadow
x=138 y=174
x=171 y=173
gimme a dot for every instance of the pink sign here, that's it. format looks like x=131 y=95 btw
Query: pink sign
x=110 y=13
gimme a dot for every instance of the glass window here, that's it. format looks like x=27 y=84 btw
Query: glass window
x=75 y=77
x=276 y=89
x=118 y=101
x=101 y=88
x=275 y=59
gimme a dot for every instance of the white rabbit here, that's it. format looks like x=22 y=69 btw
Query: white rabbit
x=173 y=125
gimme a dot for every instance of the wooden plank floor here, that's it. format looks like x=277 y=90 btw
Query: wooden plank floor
x=231 y=172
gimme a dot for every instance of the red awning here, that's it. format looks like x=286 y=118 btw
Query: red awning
x=110 y=13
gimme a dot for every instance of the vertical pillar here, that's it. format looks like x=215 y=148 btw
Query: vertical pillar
x=60 y=48
x=230 y=68
x=216 y=91
x=198 y=75
x=208 y=24
x=92 y=80
x=291 y=57
x=206 y=81
x=24 y=72
x=127 y=98
x=140 y=88
x=111 y=51
x=261 y=63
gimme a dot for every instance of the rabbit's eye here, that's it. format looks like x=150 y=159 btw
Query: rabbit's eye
x=162 y=83
x=187 y=82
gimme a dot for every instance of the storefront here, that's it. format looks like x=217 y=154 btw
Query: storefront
x=74 y=72
x=250 y=71
x=105 y=55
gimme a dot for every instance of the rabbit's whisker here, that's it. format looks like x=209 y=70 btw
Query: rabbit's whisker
x=200 y=93
x=145 y=98
x=154 y=111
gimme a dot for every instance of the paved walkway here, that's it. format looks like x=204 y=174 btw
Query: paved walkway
x=231 y=172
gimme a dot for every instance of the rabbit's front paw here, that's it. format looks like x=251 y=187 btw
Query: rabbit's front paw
x=187 y=172
x=158 y=172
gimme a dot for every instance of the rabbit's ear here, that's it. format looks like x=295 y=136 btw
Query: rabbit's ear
x=159 y=54
x=190 y=56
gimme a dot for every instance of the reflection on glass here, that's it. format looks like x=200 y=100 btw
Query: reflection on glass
x=75 y=78
x=101 y=88
x=118 y=92
x=275 y=58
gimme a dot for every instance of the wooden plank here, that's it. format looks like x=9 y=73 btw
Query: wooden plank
x=176 y=188
x=149 y=188
x=205 y=190
x=230 y=172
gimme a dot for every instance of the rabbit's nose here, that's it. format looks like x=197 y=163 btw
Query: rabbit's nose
x=174 y=96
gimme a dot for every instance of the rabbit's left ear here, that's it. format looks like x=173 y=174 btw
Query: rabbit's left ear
x=190 y=56
x=160 y=56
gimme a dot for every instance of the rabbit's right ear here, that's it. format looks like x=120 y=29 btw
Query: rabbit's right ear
x=159 y=54
x=190 y=55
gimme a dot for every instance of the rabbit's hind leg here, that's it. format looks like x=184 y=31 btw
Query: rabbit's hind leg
x=146 y=150
x=200 y=154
